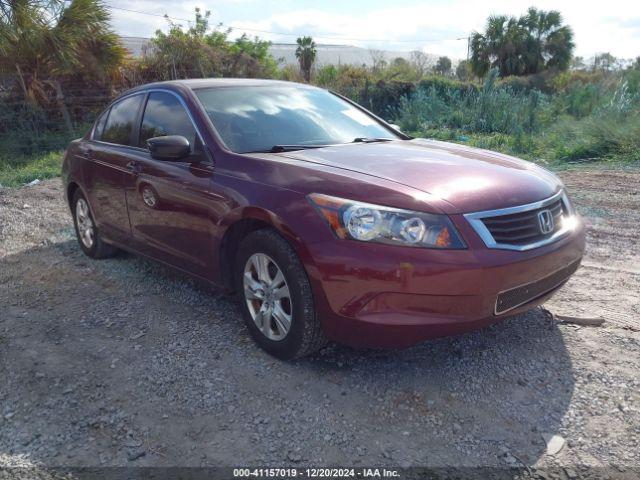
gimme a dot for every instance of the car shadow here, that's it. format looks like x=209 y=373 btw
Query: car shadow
x=105 y=358
x=500 y=389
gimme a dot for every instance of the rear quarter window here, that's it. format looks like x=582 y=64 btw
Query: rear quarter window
x=120 y=122
x=99 y=127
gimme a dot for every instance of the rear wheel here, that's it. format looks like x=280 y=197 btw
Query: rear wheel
x=276 y=299
x=86 y=230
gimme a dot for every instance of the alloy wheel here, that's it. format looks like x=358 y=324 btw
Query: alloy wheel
x=86 y=230
x=267 y=295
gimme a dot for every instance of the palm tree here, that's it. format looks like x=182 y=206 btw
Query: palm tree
x=499 y=47
x=521 y=46
x=306 y=55
x=44 y=40
x=549 y=44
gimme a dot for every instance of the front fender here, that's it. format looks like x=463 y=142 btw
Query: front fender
x=296 y=232
x=300 y=226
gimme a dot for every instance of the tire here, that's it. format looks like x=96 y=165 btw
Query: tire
x=82 y=220
x=304 y=335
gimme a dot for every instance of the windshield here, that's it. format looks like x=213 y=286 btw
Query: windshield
x=251 y=119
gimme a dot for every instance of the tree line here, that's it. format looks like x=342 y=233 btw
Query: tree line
x=54 y=52
x=45 y=40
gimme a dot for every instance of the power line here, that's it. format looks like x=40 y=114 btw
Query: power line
x=148 y=13
x=318 y=35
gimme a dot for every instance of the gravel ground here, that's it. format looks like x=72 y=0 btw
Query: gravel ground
x=122 y=362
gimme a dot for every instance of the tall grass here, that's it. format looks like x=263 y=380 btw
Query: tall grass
x=566 y=117
x=583 y=121
x=19 y=170
x=490 y=109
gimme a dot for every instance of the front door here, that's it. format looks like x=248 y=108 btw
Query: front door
x=171 y=207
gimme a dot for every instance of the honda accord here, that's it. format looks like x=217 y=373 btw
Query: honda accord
x=326 y=221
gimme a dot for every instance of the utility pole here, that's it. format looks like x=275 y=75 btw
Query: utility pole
x=468 y=39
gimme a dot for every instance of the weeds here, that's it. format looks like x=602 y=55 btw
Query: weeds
x=581 y=122
x=16 y=171
x=573 y=117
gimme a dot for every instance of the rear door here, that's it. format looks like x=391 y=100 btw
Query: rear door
x=170 y=203
x=109 y=168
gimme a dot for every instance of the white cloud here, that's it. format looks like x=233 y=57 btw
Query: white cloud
x=434 y=27
x=389 y=28
x=129 y=22
x=430 y=26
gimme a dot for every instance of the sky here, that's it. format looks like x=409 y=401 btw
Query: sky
x=434 y=26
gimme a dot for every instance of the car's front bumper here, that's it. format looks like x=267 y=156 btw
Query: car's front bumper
x=384 y=296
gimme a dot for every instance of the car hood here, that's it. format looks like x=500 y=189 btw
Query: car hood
x=469 y=179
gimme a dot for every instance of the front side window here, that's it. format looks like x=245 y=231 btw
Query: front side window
x=257 y=118
x=165 y=115
x=121 y=119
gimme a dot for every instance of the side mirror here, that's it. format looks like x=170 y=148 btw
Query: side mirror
x=395 y=127
x=169 y=148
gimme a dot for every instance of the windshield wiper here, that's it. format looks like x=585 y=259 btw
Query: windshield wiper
x=292 y=148
x=370 y=140
x=287 y=148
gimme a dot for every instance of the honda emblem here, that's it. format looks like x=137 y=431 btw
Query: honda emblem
x=545 y=221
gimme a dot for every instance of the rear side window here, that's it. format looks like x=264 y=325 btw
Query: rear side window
x=122 y=117
x=97 y=131
x=165 y=115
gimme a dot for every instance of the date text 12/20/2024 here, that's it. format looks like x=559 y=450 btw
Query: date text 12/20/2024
x=315 y=473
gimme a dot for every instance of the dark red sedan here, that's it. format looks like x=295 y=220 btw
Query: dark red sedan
x=328 y=222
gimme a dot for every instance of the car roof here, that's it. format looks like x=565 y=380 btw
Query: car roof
x=197 y=83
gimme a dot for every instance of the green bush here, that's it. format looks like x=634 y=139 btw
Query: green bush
x=604 y=136
x=540 y=81
x=383 y=98
x=28 y=130
x=326 y=76
x=488 y=109
x=567 y=117
x=444 y=85
x=590 y=117
x=579 y=99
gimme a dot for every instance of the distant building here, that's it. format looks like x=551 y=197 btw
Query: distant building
x=285 y=53
x=135 y=45
x=339 y=54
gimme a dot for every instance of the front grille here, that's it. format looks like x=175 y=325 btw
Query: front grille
x=523 y=228
x=510 y=299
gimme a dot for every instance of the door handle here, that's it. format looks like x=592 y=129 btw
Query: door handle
x=89 y=154
x=133 y=167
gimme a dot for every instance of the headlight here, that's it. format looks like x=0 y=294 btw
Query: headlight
x=365 y=222
x=568 y=204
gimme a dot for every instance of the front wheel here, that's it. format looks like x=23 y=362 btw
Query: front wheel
x=276 y=298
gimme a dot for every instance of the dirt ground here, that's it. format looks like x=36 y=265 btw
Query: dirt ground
x=121 y=362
